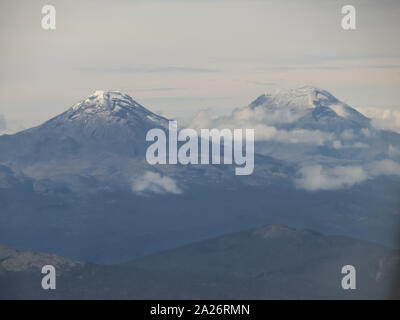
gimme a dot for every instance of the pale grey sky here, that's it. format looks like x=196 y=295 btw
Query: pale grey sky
x=178 y=57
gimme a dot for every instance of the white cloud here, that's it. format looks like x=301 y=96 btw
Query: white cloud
x=319 y=178
x=384 y=167
x=153 y=182
x=387 y=119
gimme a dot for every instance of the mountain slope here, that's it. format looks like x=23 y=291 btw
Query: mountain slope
x=105 y=122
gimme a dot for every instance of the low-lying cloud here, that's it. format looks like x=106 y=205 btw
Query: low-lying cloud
x=318 y=177
x=154 y=182
x=383 y=119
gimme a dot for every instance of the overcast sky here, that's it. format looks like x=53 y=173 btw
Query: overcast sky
x=177 y=57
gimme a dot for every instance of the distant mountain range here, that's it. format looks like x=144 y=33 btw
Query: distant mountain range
x=268 y=262
x=100 y=141
x=79 y=185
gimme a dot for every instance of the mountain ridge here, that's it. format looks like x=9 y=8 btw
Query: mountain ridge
x=266 y=262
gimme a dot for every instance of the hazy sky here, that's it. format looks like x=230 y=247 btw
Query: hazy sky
x=177 y=57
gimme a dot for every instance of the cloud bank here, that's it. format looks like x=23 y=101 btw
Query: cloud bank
x=263 y=122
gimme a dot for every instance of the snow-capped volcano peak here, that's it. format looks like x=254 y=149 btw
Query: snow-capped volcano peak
x=111 y=106
x=111 y=117
x=297 y=103
x=106 y=100
x=301 y=98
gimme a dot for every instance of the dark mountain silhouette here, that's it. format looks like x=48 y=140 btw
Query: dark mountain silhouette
x=267 y=262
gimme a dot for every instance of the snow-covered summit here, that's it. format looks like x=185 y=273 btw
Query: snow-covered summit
x=303 y=98
x=104 y=99
x=302 y=101
x=102 y=107
x=108 y=103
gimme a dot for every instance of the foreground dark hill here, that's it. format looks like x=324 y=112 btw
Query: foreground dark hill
x=267 y=262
